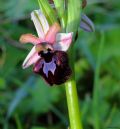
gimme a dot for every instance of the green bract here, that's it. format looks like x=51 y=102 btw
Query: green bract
x=48 y=11
x=74 y=11
x=62 y=13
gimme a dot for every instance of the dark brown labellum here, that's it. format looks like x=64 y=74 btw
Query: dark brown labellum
x=53 y=67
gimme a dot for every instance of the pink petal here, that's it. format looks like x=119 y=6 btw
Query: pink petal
x=25 y=38
x=31 y=58
x=51 y=35
x=40 y=23
x=63 y=41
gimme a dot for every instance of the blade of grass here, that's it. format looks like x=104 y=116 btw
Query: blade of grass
x=18 y=123
x=96 y=94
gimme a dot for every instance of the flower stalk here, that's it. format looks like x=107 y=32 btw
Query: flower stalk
x=73 y=105
x=72 y=97
x=70 y=86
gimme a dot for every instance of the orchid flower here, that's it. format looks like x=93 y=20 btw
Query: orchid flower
x=48 y=54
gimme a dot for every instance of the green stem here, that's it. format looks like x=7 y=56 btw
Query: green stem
x=73 y=105
x=72 y=97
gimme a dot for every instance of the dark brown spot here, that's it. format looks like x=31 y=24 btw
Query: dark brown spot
x=84 y=3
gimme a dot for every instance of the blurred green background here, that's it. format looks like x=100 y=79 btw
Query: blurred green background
x=26 y=102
